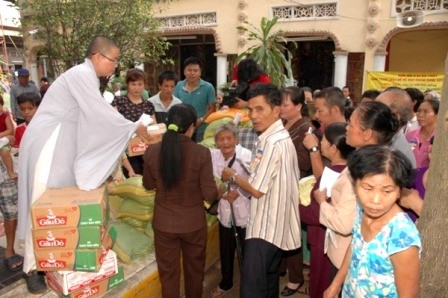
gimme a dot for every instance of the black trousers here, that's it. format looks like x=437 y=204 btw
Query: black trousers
x=260 y=270
x=227 y=247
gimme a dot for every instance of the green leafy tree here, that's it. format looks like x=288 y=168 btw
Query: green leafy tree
x=269 y=51
x=65 y=27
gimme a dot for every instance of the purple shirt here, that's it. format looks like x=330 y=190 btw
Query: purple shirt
x=418 y=185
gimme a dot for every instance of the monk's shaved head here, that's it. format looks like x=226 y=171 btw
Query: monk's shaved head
x=100 y=44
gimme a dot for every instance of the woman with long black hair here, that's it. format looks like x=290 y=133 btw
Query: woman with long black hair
x=181 y=172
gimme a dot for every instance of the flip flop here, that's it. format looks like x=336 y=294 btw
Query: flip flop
x=14 y=263
x=35 y=282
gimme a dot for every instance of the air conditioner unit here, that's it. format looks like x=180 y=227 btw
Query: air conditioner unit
x=409 y=19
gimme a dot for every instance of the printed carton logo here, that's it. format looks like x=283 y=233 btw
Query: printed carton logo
x=51 y=219
x=51 y=262
x=51 y=241
x=139 y=147
x=102 y=257
x=88 y=291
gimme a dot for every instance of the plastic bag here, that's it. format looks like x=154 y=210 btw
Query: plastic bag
x=132 y=188
x=149 y=231
x=130 y=243
x=114 y=204
x=131 y=208
x=305 y=186
x=212 y=126
x=135 y=223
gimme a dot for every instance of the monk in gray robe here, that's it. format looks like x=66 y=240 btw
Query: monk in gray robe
x=74 y=139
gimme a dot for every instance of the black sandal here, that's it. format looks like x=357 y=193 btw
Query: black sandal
x=287 y=291
x=14 y=263
x=35 y=282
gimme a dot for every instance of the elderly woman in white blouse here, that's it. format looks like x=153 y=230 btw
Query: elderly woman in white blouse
x=230 y=154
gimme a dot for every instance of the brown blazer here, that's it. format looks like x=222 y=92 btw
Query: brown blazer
x=181 y=209
x=297 y=132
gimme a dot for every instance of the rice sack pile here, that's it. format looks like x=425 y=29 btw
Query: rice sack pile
x=219 y=118
x=133 y=206
x=132 y=203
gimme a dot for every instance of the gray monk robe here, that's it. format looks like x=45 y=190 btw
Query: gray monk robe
x=75 y=138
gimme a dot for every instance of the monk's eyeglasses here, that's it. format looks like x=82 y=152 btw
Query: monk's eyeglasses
x=111 y=60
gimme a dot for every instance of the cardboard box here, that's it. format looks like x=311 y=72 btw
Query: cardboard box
x=70 y=281
x=89 y=260
x=69 y=207
x=68 y=238
x=138 y=147
x=97 y=289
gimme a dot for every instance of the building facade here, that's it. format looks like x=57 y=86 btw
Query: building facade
x=338 y=41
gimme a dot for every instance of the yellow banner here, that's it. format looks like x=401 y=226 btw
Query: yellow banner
x=381 y=80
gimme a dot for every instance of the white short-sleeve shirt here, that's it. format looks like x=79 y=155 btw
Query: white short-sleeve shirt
x=274 y=217
x=158 y=105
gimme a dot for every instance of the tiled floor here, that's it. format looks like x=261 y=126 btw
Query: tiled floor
x=213 y=277
x=7 y=277
x=211 y=281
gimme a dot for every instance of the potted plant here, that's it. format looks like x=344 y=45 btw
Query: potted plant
x=269 y=51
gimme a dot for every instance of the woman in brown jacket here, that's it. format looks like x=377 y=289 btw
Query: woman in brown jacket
x=181 y=172
x=294 y=112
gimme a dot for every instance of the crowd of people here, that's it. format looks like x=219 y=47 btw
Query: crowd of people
x=370 y=161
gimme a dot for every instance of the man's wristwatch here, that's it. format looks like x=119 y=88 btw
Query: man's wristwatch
x=232 y=178
x=313 y=149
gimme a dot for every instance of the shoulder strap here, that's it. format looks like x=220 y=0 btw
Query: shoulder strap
x=232 y=161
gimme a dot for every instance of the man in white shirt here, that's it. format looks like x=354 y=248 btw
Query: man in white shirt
x=274 y=222
x=164 y=100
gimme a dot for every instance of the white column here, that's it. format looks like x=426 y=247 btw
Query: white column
x=221 y=69
x=340 y=68
x=33 y=72
x=44 y=64
x=379 y=61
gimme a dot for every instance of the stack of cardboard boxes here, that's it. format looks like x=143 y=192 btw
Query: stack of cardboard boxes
x=72 y=242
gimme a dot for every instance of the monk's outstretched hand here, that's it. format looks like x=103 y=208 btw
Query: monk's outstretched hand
x=142 y=133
